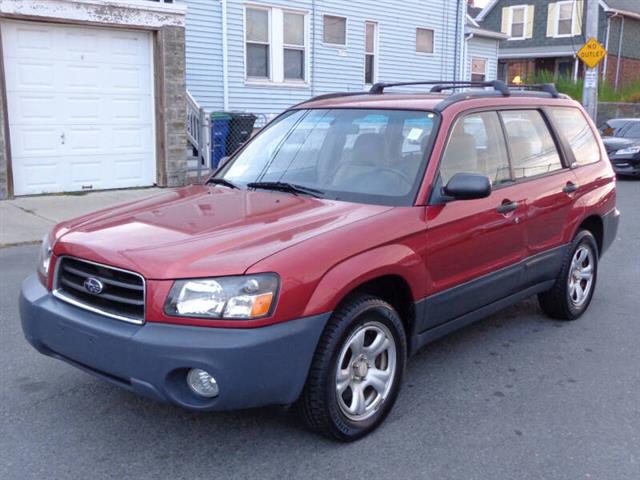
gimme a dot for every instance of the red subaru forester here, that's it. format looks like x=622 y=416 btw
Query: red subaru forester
x=347 y=234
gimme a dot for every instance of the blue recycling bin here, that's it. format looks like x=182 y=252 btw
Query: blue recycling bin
x=220 y=123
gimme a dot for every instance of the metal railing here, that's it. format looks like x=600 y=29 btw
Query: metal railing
x=199 y=135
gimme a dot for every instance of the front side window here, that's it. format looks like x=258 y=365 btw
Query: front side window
x=533 y=151
x=424 y=40
x=477 y=145
x=334 y=30
x=478 y=69
x=360 y=155
x=572 y=125
x=257 y=43
x=518 y=20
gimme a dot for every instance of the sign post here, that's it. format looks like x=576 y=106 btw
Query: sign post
x=591 y=54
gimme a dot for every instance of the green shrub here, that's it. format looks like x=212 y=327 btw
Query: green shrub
x=606 y=92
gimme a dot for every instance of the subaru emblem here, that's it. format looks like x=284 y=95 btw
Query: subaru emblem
x=93 y=286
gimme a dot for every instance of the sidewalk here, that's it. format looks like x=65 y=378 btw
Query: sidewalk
x=27 y=219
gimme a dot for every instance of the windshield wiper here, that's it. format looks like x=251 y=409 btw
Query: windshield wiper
x=222 y=181
x=287 y=187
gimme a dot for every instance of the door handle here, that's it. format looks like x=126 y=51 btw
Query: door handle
x=570 y=187
x=507 y=206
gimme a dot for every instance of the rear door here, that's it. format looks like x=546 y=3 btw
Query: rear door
x=545 y=178
x=474 y=246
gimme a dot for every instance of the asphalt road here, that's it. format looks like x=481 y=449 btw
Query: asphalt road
x=516 y=396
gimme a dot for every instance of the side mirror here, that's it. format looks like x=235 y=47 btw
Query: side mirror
x=467 y=186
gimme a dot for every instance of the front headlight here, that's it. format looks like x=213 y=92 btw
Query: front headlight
x=242 y=297
x=628 y=151
x=44 y=256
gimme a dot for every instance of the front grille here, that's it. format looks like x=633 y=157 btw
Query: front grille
x=102 y=289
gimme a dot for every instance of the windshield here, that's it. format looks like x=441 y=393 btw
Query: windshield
x=360 y=155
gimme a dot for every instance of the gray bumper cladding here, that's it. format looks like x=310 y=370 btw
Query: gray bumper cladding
x=253 y=367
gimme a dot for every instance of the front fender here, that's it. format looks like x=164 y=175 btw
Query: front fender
x=396 y=259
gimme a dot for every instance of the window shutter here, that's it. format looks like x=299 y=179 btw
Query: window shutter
x=552 y=20
x=505 y=20
x=577 y=17
x=531 y=10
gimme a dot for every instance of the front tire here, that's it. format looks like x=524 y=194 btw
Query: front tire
x=357 y=369
x=572 y=293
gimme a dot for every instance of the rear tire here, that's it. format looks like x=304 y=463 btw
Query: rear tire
x=572 y=293
x=357 y=369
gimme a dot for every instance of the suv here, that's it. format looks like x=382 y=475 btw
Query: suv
x=350 y=232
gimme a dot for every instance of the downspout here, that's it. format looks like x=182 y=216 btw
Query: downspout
x=225 y=58
x=458 y=51
x=606 y=47
x=619 y=52
x=313 y=48
x=465 y=59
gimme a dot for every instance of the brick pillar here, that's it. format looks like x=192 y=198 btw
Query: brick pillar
x=4 y=139
x=171 y=107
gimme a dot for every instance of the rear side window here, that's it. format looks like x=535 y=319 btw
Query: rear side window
x=533 y=151
x=476 y=145
x=631 y=131
x=572 y=125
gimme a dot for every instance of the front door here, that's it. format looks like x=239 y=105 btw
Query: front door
x=474 y=246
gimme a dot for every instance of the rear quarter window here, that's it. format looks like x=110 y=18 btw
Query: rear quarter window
x=571 y=124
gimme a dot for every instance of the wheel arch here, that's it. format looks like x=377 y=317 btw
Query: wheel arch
x=595 y=225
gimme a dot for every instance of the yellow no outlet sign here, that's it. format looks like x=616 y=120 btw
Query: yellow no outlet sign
x=592 y=53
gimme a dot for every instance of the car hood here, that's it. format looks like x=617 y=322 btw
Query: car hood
x=200 y=231
x=612 y=144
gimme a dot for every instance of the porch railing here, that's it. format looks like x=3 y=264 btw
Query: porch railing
x=199 y=134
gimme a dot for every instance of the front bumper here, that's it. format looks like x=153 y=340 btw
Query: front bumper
x=253 y=367
x=626 y=164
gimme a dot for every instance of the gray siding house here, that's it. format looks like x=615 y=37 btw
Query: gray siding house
x=264 y=56
x=545 y=35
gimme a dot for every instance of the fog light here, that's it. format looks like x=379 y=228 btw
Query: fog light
x=202 y=383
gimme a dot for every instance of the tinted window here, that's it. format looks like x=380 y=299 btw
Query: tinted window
x=476 y=145
x=533 y=151
x=364 y=155
x=632 y=130
x=572 y=125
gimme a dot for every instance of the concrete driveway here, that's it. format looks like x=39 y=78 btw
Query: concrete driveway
x=516 y=396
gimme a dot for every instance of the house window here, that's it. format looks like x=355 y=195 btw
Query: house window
x=478 y=69
x=257 y=43
x=293 y=46
x=518 y=21
x=424 y=40
x=565 y=18
x=276 y=45
x=335 y=30
x=371 y=40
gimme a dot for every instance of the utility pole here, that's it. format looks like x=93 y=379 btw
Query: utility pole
x=590 y=94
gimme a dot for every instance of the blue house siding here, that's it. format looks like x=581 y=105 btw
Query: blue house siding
x=331 y=68
x=203 y=38
x=483 y=48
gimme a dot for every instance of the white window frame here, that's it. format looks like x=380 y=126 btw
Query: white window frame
x=269 y=78
x=486 y=64
x=374 y=53
x=433 y=41
x=276 y=47
x=524 y=24
x=572 y=19
x=346 y=31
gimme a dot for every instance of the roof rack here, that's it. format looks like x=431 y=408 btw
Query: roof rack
x=439 y=86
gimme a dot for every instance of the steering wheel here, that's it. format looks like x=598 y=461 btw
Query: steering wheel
x=397 y=173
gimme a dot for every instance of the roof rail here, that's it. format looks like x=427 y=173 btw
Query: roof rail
x=549 y=88
x=440 y=85
x=327 y=96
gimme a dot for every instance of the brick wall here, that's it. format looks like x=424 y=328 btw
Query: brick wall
x=629 y=70
x=4 y=176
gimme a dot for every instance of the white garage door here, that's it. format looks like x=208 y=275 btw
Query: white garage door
x=80 y=104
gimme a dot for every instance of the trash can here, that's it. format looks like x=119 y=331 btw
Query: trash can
x=220 y=123
x=240 y=130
